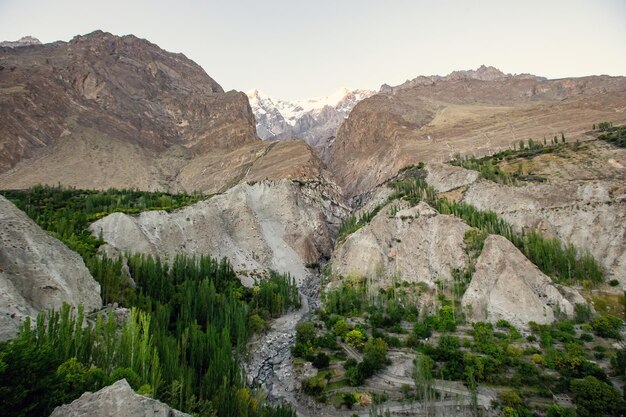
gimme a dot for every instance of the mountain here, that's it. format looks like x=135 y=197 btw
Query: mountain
x=315 y=119
x=105 y=111
x=467 y=112
x=23 y=41
x=421 y=268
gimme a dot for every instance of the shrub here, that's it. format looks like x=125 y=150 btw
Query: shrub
x=594 y=397
x=314 y=385
x=607 y=326
x=321 y=360
x=556 y=410
x=355 y=338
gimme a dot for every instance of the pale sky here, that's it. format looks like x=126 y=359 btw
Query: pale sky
x=296 y=49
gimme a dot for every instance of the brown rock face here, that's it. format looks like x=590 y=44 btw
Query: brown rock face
x=430 y=119
x=106 y=111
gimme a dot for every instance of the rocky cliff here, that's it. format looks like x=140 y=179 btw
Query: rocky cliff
x=23 y=41
x=105 y=111
x=467 y=113
x=507 y=286
x=412 y=244
x=117 y=400
x=281 y=226
x=37 y=272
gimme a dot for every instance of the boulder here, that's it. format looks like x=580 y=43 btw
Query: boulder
x=117 y=400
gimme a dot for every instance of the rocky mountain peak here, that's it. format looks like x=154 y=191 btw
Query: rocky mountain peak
x=23 y=41
x=314 y=119
x=102 y=94
x=483 y=73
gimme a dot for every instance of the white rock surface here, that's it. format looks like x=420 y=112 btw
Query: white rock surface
x=117 y=400
x=416 y=244
x=37 y=272
x=279 y=225
x=508 y=286
x=591 y=215
x=446 y=177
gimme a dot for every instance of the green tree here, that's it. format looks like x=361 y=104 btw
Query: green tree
x=594 y=397
x=355 y=338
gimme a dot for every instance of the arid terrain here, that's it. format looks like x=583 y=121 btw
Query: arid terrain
x=441 y=245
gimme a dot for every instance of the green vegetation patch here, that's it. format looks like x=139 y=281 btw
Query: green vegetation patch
x=614 y=135
x=188 y=328
x=67 y=212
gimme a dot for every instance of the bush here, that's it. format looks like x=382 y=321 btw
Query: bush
x=556 y=410
x=305 y=332
x=321 y=360
x=348 y=399
x=607 y=326
x=355 y=338
x=314 y=385
x=613 y=283
x=595 y=398
x=126 y=373
x=582 y=313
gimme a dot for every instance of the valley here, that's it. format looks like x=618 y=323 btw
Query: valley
x=454 y=245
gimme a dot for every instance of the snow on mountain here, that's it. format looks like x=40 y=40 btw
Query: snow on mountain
x=314 y=119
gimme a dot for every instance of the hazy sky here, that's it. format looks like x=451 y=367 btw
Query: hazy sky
x=296 y=49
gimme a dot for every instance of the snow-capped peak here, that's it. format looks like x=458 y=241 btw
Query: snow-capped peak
x=343 y=100
x=313 y=119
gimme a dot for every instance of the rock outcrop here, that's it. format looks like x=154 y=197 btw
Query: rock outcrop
x=269 y=225
x=105 y=111
x=117 y=400
x=508 y=286
x=37 y=272
x=477 y=112
x=590 y=215
x=21 y=42
x=414 y=244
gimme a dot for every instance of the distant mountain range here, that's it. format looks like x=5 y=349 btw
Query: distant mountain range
x=315 y=119
x=482 y=73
